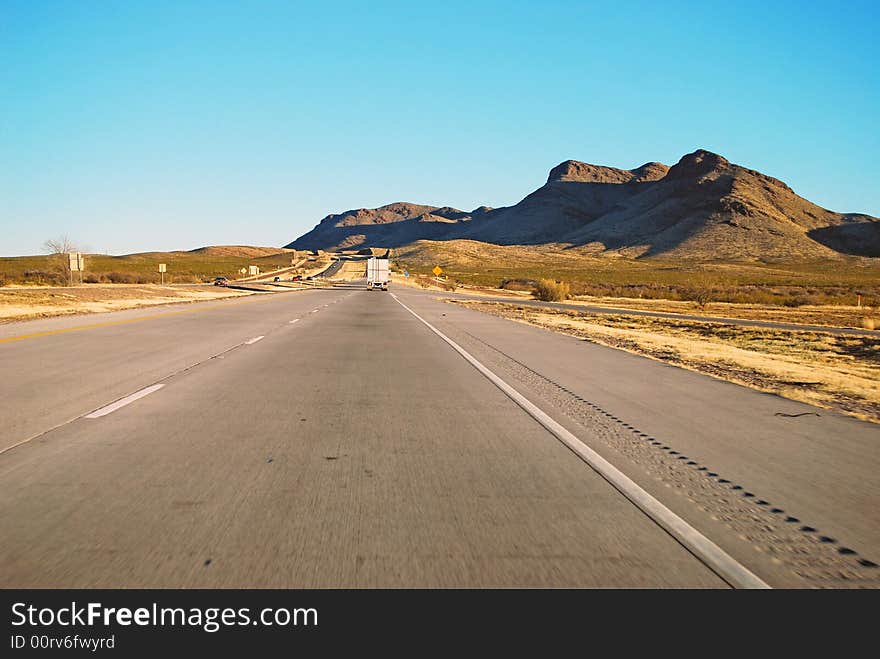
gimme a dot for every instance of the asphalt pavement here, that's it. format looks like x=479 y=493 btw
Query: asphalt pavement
x=331 y=438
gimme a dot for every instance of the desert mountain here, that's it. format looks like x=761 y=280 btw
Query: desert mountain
x=238 y=251
x=387 y=226
x=703 y=207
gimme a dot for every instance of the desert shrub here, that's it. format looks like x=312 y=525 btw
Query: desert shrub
x=518 y=284
x=45 y=277
x=551 y=291
x=122 y=278
x=130 y=278
x=3 y=280
x=701 y=295
x=797 y=301
x=91 y=278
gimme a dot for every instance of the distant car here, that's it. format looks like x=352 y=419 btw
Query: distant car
x=221 y=281
x=296 y=278
x=277 y=279
x=309 y=278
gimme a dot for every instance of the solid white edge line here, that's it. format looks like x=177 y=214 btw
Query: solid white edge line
x=122 y=402
x=715 y=558
x=254 y=340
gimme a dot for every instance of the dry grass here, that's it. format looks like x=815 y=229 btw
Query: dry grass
x=200 y=265
x=841 y=373
x=786 y=285
x=830 y=315
x=428 y=282
x=29 y=303
x=548 y=290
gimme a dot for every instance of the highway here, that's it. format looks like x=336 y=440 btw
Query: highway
x=342 y=438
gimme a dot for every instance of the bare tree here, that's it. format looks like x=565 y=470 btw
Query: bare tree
x=703 y=289
x=60 y=245
x=59 y=248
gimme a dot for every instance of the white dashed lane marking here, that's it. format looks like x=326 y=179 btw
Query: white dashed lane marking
x=122 y=402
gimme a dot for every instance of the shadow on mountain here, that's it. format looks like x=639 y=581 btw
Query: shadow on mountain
x=856 y=239
x=702 y=208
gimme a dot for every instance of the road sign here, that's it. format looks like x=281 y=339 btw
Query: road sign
x=243 y=271
x=437 y=270
x=76 y=263
x=162 y=268
x=253 y=269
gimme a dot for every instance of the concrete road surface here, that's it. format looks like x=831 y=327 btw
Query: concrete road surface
x=330 y=438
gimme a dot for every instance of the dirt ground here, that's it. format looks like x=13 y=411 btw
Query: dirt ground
x=840 y=373
x=832 y=316
x=26 y=302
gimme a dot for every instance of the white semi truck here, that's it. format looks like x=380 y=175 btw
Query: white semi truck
x=377 y=274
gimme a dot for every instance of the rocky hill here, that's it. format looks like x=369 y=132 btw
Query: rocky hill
x=704 y=207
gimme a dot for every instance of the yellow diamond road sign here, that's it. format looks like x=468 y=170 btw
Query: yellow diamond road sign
x=437 y=270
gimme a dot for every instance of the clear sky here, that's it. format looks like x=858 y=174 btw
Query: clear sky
x=147 y=125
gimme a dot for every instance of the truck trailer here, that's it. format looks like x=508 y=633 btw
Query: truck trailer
x=377 y=274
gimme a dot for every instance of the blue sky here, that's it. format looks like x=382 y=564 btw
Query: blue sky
x=135 y=126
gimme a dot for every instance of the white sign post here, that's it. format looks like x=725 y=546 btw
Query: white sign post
x=76 y=263
x=162 y=270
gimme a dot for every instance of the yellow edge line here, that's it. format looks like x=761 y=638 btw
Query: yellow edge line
x=113 y=323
